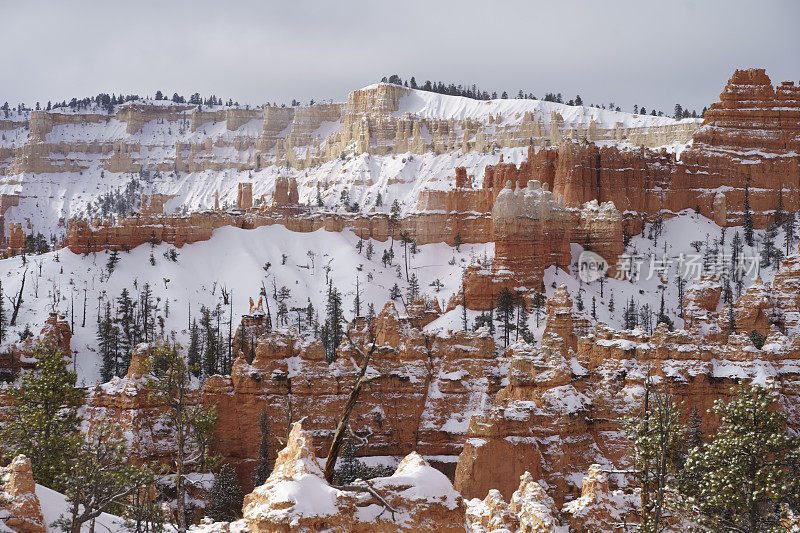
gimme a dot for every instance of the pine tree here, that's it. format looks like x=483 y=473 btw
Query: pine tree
x=107 y=343
x=193 y=353
x=694 y=435
x=394 y=219
x=731 y=325
x=658 y=438
x=748 y=471
x=630 y=316
x=98 y=478
x=522 y=323
x=210 y=345
x=748 y=218
x=505 y=312
x=394 y=292
x=113 y=259
x=226 y=497
x=170 y=383
x=334 y=320
x=662 y=315
x=44 y=421
x=464 y=318
x=413 y=289
x=263 y=469
x=538 y=303
x=128 y=328
x=147 y=312
x=789 y=230
x=611 y=303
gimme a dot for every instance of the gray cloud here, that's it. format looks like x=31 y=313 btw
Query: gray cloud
x=629 y=52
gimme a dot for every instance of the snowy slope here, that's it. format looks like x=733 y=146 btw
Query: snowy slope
x=47 y=198
x=431 y=105
x=234 y=259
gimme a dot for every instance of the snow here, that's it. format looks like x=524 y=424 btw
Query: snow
x=232 y=259
x=417 y=480
x=54 y=505
x=432 y=105
x=309 y=495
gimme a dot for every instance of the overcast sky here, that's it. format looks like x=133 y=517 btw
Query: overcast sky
x=629 y=52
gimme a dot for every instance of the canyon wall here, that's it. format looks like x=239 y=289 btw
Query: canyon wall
x=561 y=409
x=381 y=119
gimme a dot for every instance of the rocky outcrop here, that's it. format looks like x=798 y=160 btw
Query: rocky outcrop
x=557 y=414
x=597 y=509
x=244 y=198
x=55 y=334
x=20 y=509
x=286 y=194
x=600 y=229
x=532 y=230
x=16 y=239
x=296 y=498
x=531 y=509
x=433 y=384
x=130 y=232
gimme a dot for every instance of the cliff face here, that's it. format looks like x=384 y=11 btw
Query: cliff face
x=381 y=119
x=558 y=413
x=21 y=510
x=433 y=384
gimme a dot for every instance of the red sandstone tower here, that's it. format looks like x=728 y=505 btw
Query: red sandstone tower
x=244 y=200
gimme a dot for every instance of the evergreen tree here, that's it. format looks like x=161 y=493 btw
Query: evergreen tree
x=394 y=292
x=789 y=230
x=522 y=323
x=694 y=435
x=630 y=316
x=731 y=321
x=662 y=315
x=210 y=344
x=748 y=218
x=658 y=438
x=44 y=421
x=464 y=318
x=263 y=469
x=538 y=303
x=413 y=289
x=193 y=353
x=107 y=343
x=226 y=497
x=147 y=313
x=128 y=328
x=334 y=321
x=170 y=383
x=505 y=313
x=748 y=471
x=98 y=478
x=113 y=259
x=394 y=219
